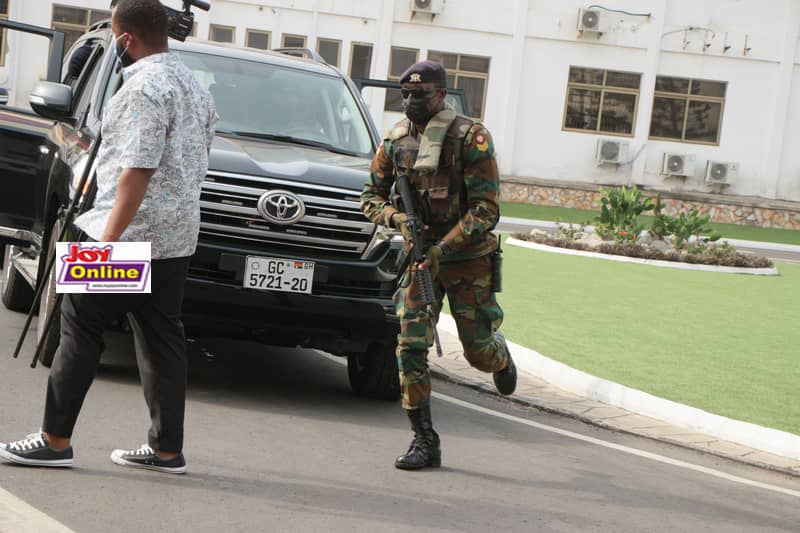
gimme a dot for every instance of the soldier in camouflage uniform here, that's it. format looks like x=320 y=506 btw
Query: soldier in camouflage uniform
x=455 y=174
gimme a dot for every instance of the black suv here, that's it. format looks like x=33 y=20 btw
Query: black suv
x=289 y=160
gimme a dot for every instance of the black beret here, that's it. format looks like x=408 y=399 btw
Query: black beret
x=425 y=72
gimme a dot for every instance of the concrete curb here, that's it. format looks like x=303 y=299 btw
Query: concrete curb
x=651 y=262
x=582 y=384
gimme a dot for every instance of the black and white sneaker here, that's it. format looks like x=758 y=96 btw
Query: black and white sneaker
x=146 y=457
x=33 y=450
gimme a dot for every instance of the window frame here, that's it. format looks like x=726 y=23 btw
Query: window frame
x=212 y=27
x=397 y=78
x=70 y=26
x=338 y=53
x=688 y=98
x=459 y=72
x=249 y=31
x=297 y=36
x=4 y=35
x=637 y=93
x=353 y=45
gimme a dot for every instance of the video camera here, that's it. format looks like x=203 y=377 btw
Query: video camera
x=180 y=23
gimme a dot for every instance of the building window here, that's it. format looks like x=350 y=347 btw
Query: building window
x=400 y=60
x=74 y=21
x=257 y=39
x=221 y=34
x=470 y=73
x=330 y=50
x=293 y=41
x=687 y=110
x=3 y=16
x=360 y=60
x=602 y=101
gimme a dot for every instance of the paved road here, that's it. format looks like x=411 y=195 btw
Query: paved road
x=276 y=442
x=515 y=226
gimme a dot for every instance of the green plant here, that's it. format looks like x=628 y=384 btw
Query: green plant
x=688 y=225
x=659 y=227
x=620 y=211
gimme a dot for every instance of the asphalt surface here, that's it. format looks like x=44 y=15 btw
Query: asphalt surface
x=275 y=441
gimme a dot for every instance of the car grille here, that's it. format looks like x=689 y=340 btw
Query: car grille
x=333 y=225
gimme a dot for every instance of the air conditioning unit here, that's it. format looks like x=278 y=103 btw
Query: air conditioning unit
x=431 y=7
x=678 y=165
x=611 y=151
x=718 y=172
x=592 y=21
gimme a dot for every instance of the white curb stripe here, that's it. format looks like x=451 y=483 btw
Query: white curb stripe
x=16 y=516
x=591 y=440
x=583 y=384
x=639 y=261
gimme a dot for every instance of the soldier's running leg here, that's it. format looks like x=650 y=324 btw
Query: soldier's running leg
x=414 y=340
x=478 y=317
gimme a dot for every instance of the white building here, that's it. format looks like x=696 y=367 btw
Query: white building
x=714 y=79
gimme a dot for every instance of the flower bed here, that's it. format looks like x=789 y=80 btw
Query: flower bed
x=647 y=248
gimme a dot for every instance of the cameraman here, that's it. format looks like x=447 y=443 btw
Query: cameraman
x=157 y=133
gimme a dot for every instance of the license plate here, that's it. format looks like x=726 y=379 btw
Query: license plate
x=285 y=275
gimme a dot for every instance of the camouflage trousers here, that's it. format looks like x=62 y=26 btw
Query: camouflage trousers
x=477 y=314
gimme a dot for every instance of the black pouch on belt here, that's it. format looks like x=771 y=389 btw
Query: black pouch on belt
x=497 y=270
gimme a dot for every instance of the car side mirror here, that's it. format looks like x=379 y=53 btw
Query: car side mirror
x=52 y=100
x=3 y=96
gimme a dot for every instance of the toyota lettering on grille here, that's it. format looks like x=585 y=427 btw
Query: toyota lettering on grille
x=281 y=207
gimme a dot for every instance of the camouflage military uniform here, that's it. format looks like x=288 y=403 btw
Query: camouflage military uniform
x=463 y=193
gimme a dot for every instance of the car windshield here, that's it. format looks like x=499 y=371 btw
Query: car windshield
x=287 y=104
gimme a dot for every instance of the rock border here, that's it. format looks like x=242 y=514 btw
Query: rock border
x=772 y=271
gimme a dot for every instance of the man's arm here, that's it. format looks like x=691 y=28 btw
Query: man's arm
x=482 y=183
x=130 y=193
x=375 y=197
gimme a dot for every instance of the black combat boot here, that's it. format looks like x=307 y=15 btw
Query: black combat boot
x=505 y=380
x=424 y=450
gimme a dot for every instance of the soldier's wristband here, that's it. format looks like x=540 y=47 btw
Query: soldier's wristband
x=446 y=250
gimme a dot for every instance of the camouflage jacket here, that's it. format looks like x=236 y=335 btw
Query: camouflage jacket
x=474 y=189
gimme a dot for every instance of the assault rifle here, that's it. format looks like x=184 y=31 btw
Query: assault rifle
x=416 y=256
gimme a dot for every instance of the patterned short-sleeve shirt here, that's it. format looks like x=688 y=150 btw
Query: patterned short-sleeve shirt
x=161 y=118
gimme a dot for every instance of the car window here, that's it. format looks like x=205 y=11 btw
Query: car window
x=274 y=100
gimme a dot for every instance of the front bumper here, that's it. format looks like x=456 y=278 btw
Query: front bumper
x=349 y=309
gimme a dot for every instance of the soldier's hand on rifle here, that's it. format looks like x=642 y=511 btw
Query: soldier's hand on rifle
x=398 y=221
x=432 y=258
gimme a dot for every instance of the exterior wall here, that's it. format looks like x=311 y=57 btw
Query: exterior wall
x=743 y=210
x=532 y=44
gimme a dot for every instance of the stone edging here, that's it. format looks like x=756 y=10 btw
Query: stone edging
x=578 y=382
x=652 y=262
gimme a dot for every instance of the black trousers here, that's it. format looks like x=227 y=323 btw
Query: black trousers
x=160 y=352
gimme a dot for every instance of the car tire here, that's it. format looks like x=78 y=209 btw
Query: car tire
x=17 y=295
x=47 y=306
x=374 y=374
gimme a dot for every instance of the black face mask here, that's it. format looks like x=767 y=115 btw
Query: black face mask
x=416 y=109
x=124 y=57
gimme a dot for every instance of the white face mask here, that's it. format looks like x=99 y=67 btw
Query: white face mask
x=123 y=57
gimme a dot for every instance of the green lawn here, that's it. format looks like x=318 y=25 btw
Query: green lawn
x=728 y=344
x=579 y=216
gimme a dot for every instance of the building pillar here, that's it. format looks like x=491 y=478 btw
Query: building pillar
x=380 y=57
x=647 y=91
x=314 y=33
x=772 y=185
x=516 y=69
